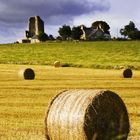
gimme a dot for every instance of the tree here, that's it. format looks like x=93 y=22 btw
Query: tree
x=51 y=37
x=128 y=30
x=134 y=35
x=59 y=38
x=65 y=32
x=76 y=33
x=101 y=24
x=43 y=37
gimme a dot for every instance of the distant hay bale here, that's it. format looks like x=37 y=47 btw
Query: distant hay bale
x=127 y=73
x=118 y=67
x=28 y=74
x=87 y=115
x=57 y=64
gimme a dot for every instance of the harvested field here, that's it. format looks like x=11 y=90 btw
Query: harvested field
x=23 y=102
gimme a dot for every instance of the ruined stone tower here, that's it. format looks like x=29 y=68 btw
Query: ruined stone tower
x=36 y=26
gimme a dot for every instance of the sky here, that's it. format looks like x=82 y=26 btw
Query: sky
x=14 y=15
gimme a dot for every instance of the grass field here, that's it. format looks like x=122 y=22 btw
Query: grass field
x=23 y=103
x=81 y=54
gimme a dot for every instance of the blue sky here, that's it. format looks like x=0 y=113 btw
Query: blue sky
x=14 y=15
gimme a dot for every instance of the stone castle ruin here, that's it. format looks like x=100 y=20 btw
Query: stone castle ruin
x=35 y=27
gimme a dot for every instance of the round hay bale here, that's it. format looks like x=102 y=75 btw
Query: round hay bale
x=28 y=74
x=57 y=64
x=87 y=115
x=127 y=73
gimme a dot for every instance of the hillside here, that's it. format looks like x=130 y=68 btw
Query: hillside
x=74 y=54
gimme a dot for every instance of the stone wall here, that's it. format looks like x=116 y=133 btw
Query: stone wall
x=36 y=26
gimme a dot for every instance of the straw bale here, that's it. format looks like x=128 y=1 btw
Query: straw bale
x=57 y=64
x=86 y=115
x=127 y=73
x=28 y=74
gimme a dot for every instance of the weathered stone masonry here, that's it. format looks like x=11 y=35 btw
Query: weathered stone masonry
x=36 y=26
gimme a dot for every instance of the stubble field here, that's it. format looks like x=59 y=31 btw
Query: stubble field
x=23 y=103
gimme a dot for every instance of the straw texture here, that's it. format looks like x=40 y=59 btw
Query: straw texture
x=57 y=64
x=86 y=115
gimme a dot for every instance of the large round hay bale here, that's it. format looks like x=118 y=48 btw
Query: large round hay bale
x=28 y=74
x=87 y=115
x=57 y=64
x=127 y=73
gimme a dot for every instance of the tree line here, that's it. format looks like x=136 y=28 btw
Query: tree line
x=67 y=33
x=130 y=31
